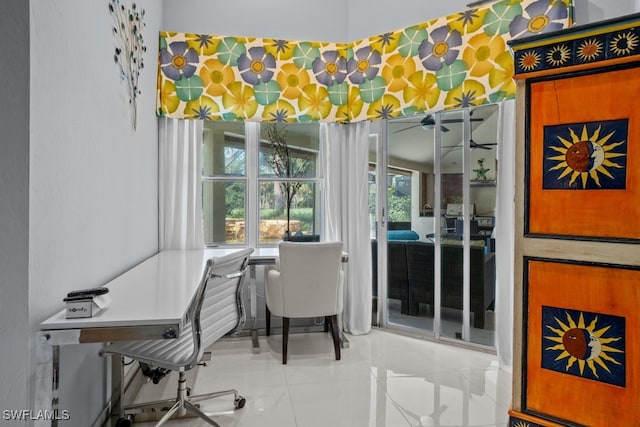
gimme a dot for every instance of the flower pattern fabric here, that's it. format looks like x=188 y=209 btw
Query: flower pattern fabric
x=451 y=62
x=178 y=60
x=441 y=48
x=540 y=16
x=363 y=65
x=256 y=66
x=330 y=68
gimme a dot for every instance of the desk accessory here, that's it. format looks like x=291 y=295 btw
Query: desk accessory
x=86 y=302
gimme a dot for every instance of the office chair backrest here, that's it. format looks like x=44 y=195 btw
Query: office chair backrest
x=217 y=308
x=311 y=275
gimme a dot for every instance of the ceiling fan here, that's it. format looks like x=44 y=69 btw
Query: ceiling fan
x=473 y=144
x=428 y=122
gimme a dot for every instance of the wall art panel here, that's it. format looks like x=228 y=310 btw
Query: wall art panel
x=582 y=182
x=582 y=334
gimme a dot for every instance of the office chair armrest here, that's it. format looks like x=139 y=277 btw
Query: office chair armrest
x=230 y=275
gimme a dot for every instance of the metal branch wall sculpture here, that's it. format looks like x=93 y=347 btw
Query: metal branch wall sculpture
x=130 y=48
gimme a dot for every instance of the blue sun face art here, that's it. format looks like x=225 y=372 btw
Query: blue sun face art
x=584 y=344
x=586 y=156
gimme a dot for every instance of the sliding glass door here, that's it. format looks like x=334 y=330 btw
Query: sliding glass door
x=434 y=266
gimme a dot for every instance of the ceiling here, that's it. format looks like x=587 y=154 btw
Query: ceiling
x=410 y=144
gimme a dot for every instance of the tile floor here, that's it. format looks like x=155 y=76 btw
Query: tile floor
x=383 y=380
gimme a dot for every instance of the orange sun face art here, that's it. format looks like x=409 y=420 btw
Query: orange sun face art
x=586 y=155
x=589 y=345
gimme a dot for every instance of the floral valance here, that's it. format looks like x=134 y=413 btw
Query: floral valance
x=456 y=61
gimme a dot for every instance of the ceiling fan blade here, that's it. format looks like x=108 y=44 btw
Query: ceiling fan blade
x=407 y=128
x=428 y=121
x=485 y=146
x=472 y=145
x=459 y=120
x=443 y=128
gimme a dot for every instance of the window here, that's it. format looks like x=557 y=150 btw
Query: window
x=398 y=193
x=266 y=174
x=224 y=182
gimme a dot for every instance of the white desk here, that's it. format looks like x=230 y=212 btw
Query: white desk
x=148 y=301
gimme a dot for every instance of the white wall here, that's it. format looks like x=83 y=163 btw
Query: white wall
x=333 y=20
x=280 y=19
x=93 y=181
x=336 y=20
x=589 y=11
x=14 y=204
x=371 y=17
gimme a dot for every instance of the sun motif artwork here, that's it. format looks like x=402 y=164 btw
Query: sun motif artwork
x=586 y=156
x=588 y=345
x=518 y=423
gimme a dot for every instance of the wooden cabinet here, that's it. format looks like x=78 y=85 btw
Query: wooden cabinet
x=577 y=252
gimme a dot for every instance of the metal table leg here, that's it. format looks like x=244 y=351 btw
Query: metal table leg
x=253 y=297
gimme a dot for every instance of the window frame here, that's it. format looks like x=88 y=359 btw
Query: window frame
x=253 y=181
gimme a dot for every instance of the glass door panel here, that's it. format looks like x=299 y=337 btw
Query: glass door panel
x=410 y=224
x=451 y=132
x=468 y=199
x=432 y=200
x=482 y=194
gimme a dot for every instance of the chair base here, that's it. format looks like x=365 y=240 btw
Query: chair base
x=183 y=405
x=330 y=324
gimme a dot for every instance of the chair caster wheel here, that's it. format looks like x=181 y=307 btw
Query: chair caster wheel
x=239 y=402
x=123 y=422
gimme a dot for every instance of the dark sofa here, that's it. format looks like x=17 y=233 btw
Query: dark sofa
x=411 y=276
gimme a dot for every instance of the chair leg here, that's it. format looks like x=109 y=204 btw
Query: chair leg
x=184 y=404
x=327 y=320
x=267 y=313
x=335 y=335
x=175 y=408
x=206 y=396
x=285 y=339
x=196 y=411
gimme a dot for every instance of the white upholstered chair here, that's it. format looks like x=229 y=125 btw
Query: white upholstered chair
x=308 y=282
x=215 y=311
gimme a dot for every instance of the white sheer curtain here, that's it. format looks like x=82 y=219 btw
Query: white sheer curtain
x=346 y=214
x=180 y=202
x=505 y=214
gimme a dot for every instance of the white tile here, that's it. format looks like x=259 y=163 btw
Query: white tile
x=447 y=401
x=351 y=403
x=494 y=382
x=383 y=379
x=266 y=406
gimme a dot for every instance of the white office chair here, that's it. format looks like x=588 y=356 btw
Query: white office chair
x=215 y=311
x=307 y=283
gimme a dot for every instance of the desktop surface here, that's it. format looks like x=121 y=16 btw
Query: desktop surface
x=155 y=292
